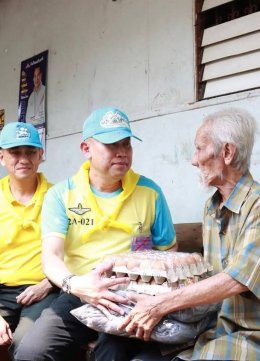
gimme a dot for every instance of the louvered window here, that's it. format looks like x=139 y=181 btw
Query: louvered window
x=228 y=46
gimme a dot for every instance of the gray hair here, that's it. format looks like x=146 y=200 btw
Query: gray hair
x=235 y=126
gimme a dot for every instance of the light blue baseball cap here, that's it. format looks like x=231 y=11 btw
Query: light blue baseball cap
x=107 y=125
x=16 y=134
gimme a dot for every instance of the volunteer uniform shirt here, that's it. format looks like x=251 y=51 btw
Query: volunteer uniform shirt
x=232 y=245
x=95 y=224
x=20 y=236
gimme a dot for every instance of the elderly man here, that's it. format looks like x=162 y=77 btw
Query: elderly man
x=105 y=208
x=231 y=239
x=24 y=289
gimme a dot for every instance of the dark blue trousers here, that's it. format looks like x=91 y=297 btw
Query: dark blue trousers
x=116 y=348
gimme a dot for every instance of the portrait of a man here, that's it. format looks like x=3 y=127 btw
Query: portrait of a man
x=36 y=102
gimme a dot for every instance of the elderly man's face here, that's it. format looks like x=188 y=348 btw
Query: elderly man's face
x=211 y=166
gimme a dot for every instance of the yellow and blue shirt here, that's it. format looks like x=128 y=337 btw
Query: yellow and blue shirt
x=95 y=224
x=20 y=236
x=231 y=238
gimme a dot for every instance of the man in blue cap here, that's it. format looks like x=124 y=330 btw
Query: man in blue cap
x=24 y=289
x=106 y=208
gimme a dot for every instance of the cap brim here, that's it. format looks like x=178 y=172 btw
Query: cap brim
x=14 y=145
x=115 y=136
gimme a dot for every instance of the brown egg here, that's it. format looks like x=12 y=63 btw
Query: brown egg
x=177 y=262
x=132 y=269
x=132 y=265
x=119 y=262
x=197 y=257
x=189 y=259
x=119 y=266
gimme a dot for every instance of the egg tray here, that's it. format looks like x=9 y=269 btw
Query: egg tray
x=153 y=272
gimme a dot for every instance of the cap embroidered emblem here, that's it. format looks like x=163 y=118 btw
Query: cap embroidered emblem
x=113 y=120
x=22 y=132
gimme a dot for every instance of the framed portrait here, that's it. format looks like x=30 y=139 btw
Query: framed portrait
x=32 y=92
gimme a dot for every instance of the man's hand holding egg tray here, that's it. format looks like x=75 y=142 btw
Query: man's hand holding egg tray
x=153 y=273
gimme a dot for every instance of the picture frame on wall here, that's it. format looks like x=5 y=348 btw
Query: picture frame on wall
x=32 y=93
x=2 y=119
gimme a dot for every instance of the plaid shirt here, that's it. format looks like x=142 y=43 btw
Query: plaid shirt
x=231 y=238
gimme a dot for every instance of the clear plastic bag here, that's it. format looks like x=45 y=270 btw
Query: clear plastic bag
x=154 y=272
x=175 y=328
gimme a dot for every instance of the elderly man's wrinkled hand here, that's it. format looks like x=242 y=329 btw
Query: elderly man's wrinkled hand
x=95 y=289
x=144 y=317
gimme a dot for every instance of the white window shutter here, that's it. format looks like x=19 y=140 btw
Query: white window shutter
x=231 y=56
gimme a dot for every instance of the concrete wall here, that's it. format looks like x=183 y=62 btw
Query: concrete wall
x=137 y=55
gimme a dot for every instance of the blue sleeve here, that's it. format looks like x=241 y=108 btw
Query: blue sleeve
x=54 y=217
x=163 y=231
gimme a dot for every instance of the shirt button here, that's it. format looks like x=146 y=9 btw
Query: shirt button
x=224 y=263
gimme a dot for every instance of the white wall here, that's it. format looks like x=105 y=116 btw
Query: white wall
x=167 y=150
x=135 y=54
